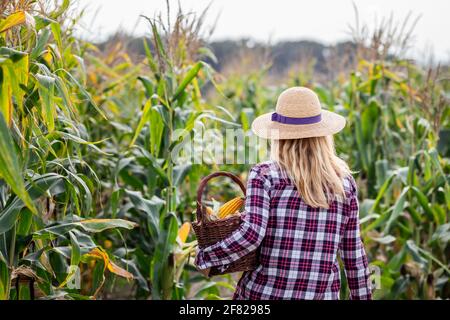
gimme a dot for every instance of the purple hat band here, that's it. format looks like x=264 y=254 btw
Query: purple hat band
x=291 y=120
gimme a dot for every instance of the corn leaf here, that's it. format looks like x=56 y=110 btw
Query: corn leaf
x=74 y=260
x=46 y=93
x=85 y=93
x=9 y=166
x=99 y=225
x=98 y=253
x=381 y=193
x=47 y=184
x=56 y=30
x=89 y=225
x=398 y=209
x=6 y=107
x=160 y=263
x=144 y=119
x=13 y=20
x=192 y=73
x=384 y=240
x=76 y=251
x=14 y=69
x=360 y=142
x=150 y=60
x=423 y=201
x=4 y=280
x=40 y=44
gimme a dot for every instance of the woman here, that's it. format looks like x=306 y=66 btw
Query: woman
x=301 y=210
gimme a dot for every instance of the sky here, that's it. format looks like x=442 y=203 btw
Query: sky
x=276 y=20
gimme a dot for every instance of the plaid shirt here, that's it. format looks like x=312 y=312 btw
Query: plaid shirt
x=298 y=244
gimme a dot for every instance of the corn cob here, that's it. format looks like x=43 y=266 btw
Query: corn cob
x=183 y=232
x=210 y=211
x=230 y=207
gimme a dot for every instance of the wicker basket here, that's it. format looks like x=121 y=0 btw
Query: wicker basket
x=210 y=232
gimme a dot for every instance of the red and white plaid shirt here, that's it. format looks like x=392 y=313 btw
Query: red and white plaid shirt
x=299 y=245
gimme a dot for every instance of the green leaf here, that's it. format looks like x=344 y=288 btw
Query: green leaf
x=40 y=44
x=99 y=225
x=192 y=73
x=38 y=187
x=360 y=142
x=381 y=193
x=133 y=269
x=167 y=239
x=398 y=209
x=442 y=234
x=91 y=144
x=381 y=172
x=41 y=22
x=152 y=162
x=179 y=173
x=76 y=251
x=397 y=261
x=61 y=8
x=9 y=166
x=145 y=117
x=212 y=296
x=369 y=120
x=89 y=225
x=418 y=255
x=413 y=249
x=56 y=30
x=46 y=94
x=384 y=240
x=151 y=61
x=24 y=223
x=98 y=277
x=148 y=85
x=423 y=201
x=157 y=121
x=4 y=280
x=158 y=42
x=84 y=92
x=151 y=207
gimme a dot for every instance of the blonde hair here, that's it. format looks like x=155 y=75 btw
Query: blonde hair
x=314 y=167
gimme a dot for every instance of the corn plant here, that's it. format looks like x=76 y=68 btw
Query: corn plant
x=406 y=180
x=48 y=212
x=94 y=205
x=157 y=97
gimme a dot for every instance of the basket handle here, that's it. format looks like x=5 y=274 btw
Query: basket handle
x=200 y=212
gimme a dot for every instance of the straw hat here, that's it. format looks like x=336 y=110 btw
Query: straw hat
x=298 y=114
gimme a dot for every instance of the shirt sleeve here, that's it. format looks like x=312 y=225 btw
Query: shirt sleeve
x=250 y=233
x=353 y=253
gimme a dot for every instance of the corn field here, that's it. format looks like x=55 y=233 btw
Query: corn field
x=92 y=207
